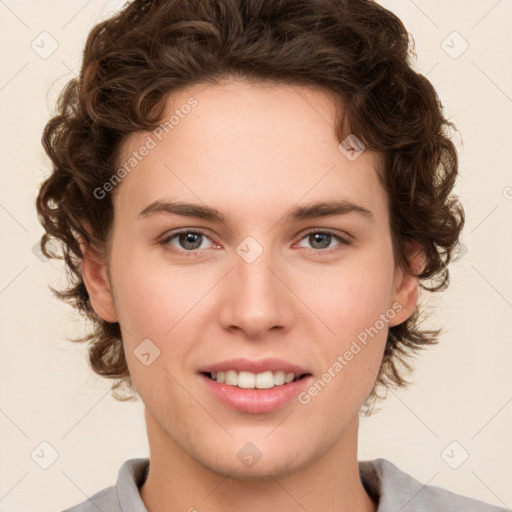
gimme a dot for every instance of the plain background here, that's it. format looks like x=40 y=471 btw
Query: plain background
x=460 y=399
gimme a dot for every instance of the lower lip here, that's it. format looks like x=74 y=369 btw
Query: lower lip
x=256 y=401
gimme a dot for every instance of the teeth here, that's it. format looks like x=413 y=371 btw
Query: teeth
x=231 y=378
x=249 y=380
x=279 y=378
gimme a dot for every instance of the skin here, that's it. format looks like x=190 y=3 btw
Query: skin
x=252 y=152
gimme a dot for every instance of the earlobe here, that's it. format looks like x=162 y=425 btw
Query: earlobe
x=406 y=289
x=95 y=276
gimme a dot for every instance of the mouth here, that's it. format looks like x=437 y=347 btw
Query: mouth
x=255 y=393
x=255 y=386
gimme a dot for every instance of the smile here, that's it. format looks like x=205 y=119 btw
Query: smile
x=250 y=380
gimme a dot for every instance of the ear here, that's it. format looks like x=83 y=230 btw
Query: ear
x=95 y=276
x=406 y=286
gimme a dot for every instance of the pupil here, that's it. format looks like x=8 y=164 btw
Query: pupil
x=324 y=237
x=188 y=240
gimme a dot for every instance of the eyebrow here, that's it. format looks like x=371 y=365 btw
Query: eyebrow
x=297 y=213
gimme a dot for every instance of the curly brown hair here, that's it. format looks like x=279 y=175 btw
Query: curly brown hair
x=355 y=49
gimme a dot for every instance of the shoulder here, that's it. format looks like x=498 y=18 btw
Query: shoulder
x=122 y=496
x=394 y=489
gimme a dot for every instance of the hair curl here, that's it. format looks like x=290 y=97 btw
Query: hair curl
x=355 y=49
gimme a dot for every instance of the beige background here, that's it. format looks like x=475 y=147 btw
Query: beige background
x=462 y=388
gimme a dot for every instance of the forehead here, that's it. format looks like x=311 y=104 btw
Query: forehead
x=254 y=145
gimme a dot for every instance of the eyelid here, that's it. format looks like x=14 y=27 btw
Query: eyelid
x=341 y=235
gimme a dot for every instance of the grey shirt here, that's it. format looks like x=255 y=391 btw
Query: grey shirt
x=393 y=489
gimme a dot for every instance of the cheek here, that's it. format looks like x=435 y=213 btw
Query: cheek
x=151 y=296
x=354 y=303
x=163 y=304
x=351 y=296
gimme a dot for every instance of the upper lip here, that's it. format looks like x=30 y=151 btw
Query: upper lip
x=255 y=366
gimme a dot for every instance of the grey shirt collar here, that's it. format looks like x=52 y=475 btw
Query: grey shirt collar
x=393 y=490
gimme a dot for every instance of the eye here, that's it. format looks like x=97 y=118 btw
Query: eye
x=187 y=240
x=321 y=240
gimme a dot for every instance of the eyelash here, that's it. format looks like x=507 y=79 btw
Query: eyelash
x=167 y=239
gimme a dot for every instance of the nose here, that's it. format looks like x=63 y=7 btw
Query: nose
x=257 y=297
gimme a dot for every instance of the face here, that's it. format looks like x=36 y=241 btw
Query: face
x=270 y=279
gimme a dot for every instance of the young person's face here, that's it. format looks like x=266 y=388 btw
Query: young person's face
x=253 y=153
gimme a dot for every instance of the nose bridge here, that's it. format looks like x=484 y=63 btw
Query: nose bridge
x=257 y=299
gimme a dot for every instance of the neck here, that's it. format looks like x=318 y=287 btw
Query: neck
x=176 y=481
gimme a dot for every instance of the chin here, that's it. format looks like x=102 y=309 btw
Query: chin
x=261 y=471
